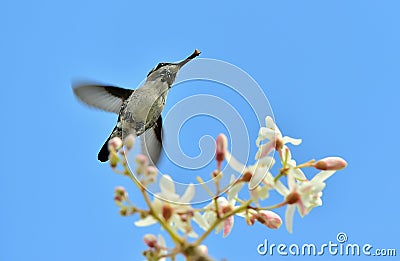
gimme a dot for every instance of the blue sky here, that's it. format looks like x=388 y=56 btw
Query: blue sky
x=329 y=69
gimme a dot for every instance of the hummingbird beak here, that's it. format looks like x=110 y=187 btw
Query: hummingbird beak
x=189 y=58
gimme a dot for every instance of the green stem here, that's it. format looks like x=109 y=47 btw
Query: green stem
x=271 y=207
x=286 y=158
x=216 y=206
x=306 y=164
x=282 y=172
x=176 y=238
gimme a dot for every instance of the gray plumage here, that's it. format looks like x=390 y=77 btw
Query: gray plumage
x=139 y=111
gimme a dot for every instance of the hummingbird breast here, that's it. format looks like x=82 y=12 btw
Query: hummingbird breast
x=142 y=109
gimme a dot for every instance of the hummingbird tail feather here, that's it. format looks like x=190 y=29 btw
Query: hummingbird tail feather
x=104 y=152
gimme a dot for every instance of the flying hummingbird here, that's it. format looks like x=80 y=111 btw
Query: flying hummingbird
x=139 y=111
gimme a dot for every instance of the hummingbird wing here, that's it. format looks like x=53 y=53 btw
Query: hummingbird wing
x=104 y=97
x=151 y=141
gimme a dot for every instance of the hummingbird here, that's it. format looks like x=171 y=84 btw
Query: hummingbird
x=139 y=110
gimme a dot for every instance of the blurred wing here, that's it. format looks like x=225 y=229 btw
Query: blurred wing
x=107 y=98
x=152 y=142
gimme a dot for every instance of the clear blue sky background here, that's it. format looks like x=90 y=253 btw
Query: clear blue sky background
x=329 y=68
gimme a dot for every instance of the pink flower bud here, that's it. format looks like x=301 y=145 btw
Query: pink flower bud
x=141 y=160
x=330 y=163
x=150 y=240
x=120 y=191
x=142 y=163
x=203 y=249
x=113 y=158
x=221 y=146
x=129 y=141
x=114 y=144
x=151 y=171
x=269 y=218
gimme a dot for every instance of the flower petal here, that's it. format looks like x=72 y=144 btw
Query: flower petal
x=291 y=140
x=261 y=171
x=322 y=176
x=281 y=189
x=163 y=245
x=263 y=193
x=234 y=191
x=298 y=174
x=258 y=177
x=209 y=217
x=222 y=202
x=301 y=208
x=265 y=149
x=269 y=122
x=267 y=161
x=219 y=227
x=192 y=234
x=259 y=193
x=188 y=195
x=265 y=133
x=234 y=163
x=291 y=181
x=228 y=225
x=147 y=221
x=289 y=217
x=200 y=220
x=167 y=185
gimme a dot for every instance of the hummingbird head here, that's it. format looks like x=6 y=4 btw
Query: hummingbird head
x=166 y=72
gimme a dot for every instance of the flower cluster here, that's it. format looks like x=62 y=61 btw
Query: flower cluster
x=182 y=220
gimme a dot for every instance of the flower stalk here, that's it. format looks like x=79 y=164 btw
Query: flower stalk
x=176 y=216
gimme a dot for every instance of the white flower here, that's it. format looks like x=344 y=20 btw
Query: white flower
x=224 y=206
x=259 y=171
x=275 y=138
x=304 y=194
x=178 y=207
x=291 y=164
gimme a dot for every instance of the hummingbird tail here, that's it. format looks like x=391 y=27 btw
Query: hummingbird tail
x=104 y=152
